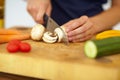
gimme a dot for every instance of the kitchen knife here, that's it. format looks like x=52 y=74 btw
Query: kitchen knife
x=50 y=25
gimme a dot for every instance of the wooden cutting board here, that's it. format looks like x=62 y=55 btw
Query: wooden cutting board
x=59 y=62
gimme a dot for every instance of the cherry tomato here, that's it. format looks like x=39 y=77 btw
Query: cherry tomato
x=12 y=48
x=14 y=41
x=24 y=47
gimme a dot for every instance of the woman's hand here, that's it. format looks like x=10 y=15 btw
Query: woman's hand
x=37 y=9
x=80 y=29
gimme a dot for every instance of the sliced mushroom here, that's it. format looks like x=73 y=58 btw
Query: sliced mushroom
x=63 y=28
x=37 y=32
x=49 y=37
x=59 y=33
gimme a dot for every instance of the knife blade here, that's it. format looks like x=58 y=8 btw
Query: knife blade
x=51 y=25
x=65 y=38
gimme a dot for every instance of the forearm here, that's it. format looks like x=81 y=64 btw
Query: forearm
x=107 y=19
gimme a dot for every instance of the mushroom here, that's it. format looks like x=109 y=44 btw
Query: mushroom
x=59 y=32
x=37 y=32
x=57 y=36
x=49 y=37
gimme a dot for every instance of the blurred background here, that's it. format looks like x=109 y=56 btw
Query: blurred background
x=17 y=15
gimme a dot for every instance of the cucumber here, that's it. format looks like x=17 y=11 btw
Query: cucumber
x=102 y=47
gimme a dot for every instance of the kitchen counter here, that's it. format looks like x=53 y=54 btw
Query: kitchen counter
x=59 y=62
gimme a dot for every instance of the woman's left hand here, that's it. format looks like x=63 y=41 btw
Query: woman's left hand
x=80 y=29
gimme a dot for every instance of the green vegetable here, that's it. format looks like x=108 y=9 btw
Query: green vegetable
x=102 y=47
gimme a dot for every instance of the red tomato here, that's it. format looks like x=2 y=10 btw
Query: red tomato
x=12 y=48
x=24 y=47
x=15 y=41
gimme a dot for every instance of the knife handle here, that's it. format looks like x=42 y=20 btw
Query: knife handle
x=45 y=18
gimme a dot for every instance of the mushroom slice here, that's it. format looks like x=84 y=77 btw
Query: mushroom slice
x=59 y=33
x=37 y=32
x=49 y=37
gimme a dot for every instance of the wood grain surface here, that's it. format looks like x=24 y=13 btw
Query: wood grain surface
x=59 y=62
x=6 y=76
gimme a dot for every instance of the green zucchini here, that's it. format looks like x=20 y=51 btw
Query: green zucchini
x=102 y=47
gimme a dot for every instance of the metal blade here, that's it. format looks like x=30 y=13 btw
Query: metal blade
x=65 y=38
x=50 y=24
x=45 y=17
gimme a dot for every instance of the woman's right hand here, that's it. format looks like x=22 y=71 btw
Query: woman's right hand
x=37 y=9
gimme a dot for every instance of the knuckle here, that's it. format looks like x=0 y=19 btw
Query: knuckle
x=84 y=18
x=31 y=8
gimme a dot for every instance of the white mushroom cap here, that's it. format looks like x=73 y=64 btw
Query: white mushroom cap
x=59 y=33
x=37 y=32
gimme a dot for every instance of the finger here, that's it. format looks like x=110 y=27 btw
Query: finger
x=91 y=31
x=67 y=24
x=86 y=38
x=82 y=35
x=83 y=39
x=39 y=17
x=75 y=23
x=41 y=11
x=32 y=10
x=48 y=12
x=71 y=38
x=33 y=14
x=81 y=29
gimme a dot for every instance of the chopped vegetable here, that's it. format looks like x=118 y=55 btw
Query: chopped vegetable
x=15 y=41
x=25 y=47
x=16 y=45
x=12 y=48
x=109 y=33
x=102 y=47
x=7 y=38
x=9 y=32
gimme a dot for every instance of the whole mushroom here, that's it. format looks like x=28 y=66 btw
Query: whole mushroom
x=37 y=32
